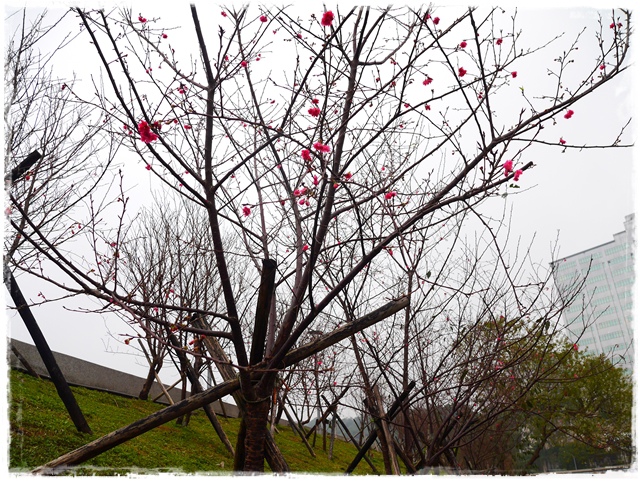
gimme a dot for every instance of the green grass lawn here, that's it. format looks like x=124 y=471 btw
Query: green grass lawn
x=41 y=430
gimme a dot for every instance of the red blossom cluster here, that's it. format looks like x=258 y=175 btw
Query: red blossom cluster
x=508 y=168
x=146 y=134
x=314 y=111
x=141 y=19
x=263 y=18
x=390 y=195
x=463 y=44
x=246 y=211
x=461 y=72
x=569 y=114
x=427 y=81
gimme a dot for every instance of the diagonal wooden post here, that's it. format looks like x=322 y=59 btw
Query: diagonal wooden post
x=64 y=391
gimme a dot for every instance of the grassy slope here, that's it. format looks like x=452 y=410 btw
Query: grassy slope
x=41 y=431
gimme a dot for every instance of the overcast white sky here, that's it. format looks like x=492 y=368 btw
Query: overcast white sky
x=581 y=198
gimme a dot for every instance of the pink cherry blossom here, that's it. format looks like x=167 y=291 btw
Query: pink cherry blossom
x=306 y=155
x=305 y=247
x=517 y=174
x=508 y=167
x=146 y=134
x=327 y=18
x=390 y=195
x=348 y=176
x=315 y=180
x=244 y=63
x=320 y=147
x=436 y=20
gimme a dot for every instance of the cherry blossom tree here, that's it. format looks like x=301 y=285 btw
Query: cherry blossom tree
x=376 y=130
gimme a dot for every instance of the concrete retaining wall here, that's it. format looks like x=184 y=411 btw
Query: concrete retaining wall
x=87 y=374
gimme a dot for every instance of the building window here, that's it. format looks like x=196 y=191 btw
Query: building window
x=616 y=249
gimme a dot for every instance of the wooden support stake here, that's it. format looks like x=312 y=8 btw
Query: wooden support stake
x=64 y=391
x=297 y=431
x=24 y=362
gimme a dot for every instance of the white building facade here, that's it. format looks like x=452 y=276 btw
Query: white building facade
x=602 y=314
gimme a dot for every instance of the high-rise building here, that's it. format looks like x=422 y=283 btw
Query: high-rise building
x=602 y=313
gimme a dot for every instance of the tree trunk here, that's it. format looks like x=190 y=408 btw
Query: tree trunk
x=146 y=387
x=253 y=436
